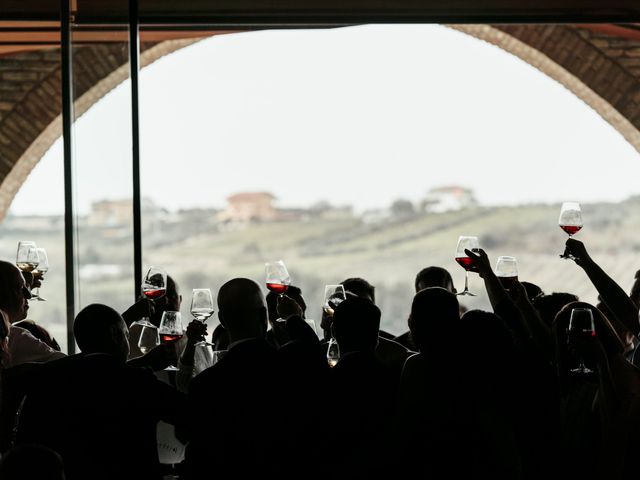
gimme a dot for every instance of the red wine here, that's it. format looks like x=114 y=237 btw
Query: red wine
x=277 y=287
x=571 y=229
x=169 y=338
x=466 y=262
x=578 y=333
x=155 y=293
x=508 y=282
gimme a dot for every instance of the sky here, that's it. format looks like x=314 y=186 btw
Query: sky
x=359 y=115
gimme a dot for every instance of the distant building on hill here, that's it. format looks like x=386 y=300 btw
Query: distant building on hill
x=250 y=207
x=447 y=198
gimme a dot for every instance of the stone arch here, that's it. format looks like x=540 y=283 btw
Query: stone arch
x=601 y=68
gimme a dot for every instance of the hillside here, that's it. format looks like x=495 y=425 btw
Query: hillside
x=318 y=252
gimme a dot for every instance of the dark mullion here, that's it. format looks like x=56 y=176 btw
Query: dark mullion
x=134 y=57
x=66 y=50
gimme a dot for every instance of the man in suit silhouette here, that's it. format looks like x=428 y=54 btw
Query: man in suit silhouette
x=241 y=440
x=93 y=409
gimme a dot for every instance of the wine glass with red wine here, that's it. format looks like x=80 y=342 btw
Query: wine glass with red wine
x=581 y=326
x=171 y=330
x=277 y=277
x=154 y=286
x=507 y=271
x=570 y=220
x=466 y=262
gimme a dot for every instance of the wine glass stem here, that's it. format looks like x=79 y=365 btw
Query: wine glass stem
x=466 y=281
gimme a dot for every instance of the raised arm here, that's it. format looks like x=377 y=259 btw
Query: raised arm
x=611 y=293
x=515 y=309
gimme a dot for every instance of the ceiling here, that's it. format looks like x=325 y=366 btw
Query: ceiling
x=269 y=13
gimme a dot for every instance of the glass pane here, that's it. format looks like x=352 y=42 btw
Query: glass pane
x=365 y=152
x=103 y=172
x=31 y=189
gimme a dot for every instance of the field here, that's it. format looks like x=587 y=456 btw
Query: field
x=198 y=253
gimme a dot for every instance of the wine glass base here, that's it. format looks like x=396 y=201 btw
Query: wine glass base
x=171 y=368
x=466 y=293
x=204 y=344
x=40 y=299
x=143 y=323
x=581 y=370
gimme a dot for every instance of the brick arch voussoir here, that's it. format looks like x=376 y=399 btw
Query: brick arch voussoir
x=34 y=123
x=566 y=54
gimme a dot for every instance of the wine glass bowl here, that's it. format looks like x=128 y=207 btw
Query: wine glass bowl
x=570 y=220
x=202 y=308
x=201 y=304
x=466 y=243
x=581 y=326
x=334 y=295
x=171 y=330
x=154 y=286
x=507 y=271
x=41 y=269
x=148 y=340
x=277 y=277
x=27 y=258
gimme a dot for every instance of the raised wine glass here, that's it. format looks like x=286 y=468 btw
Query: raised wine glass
x=570 y=221
x=171 y=330
x=333 y=352
x=41 y=269
x=581 y=326
x=466 y=262
x=154 y=286
x=202 y=308
x=277 y=277
x=27 y=256
x=148 y=340
x=507 y=271
x=334 y=295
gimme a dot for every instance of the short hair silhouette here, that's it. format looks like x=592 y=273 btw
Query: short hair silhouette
x=356 y=322
x=242 y=309
x=434 y=277
x=548 y=306
x=99 y=328
x=360 y=287
x=434 y=318
x=28 y=461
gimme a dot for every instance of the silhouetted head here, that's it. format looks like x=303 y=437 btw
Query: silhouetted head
x=434 y=320
x=13 y=292
x=356 y=322
x=361 y=288
x=434 y=277
x=100 y=329
x=272 y=302
x=169 y=302
x=26 y=462
x=533 y=290
x=242 y=310
x=548 y=306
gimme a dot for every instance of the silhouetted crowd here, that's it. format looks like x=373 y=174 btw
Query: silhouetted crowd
x=515 y=393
